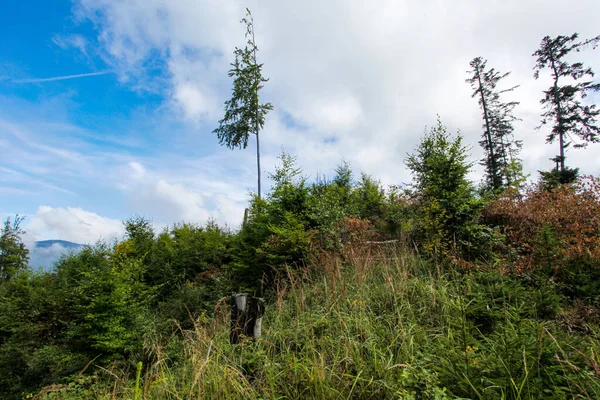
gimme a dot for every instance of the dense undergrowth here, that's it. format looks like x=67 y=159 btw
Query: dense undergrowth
x=432 y=291
x=393 y=328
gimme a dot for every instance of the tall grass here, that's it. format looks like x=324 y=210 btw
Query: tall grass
x=374 y=326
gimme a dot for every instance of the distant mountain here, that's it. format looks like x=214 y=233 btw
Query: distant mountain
x=47 y=252
x=44 y=244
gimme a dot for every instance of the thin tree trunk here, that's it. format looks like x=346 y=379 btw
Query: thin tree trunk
x=488 y=133
x=258 y=157
x=506 y=165
x=257 y=110
x=561 y=132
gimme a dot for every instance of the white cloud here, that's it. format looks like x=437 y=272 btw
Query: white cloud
x=73 y=224
x=138 y=170
x=370 y=75
x=339 y=114
x=67 y=41
x=46 y=257
x=167 y=199
x=348 y=78
x=66 y=166
x=61 y=77
x=194 y=103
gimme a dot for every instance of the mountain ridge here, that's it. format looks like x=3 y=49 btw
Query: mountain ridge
x=49 y=243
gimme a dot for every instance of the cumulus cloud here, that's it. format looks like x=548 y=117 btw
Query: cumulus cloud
x=351 y=79
x=192 y=101
x=73 y=224
x=167 y=198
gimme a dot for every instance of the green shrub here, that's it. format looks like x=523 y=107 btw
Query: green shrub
x=448 y=208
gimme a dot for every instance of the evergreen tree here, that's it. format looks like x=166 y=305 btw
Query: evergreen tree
x=552 y=179
x=343 y=175
x=244 y=114
x=563 y=100
x=449 y=207
x=14 y=256
x=501 y=149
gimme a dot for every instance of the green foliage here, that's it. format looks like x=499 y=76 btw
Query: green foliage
x=369 y=199
x=194 y=249
x=191 y=300
x=244 y=114
x=138 y=375
x=554 y=178
x=140 y=231
x=296 y=220
x=33 y=322
x=288 y=244
x=390 y=330
x=448 y=207
x=176 y=255
x=328 y=205
x=109 y=299
x=501 y=149
x=101 y=304
x=14 y=257
x=569 y=117
x=275 y=233
x=353 y=313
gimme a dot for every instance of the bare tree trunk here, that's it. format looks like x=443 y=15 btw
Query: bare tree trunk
x=488 y=134
x=258 y=158
x=559 y=120
x=257 y=127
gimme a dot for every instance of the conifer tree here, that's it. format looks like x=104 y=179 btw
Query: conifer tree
x=244 y=114
x=569 y=116
x=440 y=169
x=501 y=149
x=14 y=256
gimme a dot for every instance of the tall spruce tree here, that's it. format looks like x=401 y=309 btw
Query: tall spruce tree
x=569 y=116
x=501 y=149
x=244 y=114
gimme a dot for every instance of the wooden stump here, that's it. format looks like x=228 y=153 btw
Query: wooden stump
x=246 y=317
x=238 y=311
x=254 y=314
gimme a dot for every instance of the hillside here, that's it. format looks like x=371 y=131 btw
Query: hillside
x=429 y=292
x=399 y=328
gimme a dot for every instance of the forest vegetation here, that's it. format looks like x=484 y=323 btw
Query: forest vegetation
x=441 y=289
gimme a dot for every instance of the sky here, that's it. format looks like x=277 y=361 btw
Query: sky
x=107 y=107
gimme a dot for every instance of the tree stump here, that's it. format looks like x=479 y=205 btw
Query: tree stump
x=246 y=317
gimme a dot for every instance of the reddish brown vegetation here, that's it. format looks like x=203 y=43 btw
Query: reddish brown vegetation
x=550 y=230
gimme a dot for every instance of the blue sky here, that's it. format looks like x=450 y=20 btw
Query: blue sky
x=107 y=107
x=67 y=119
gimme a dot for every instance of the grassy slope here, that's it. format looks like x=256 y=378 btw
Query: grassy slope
x=397 y=329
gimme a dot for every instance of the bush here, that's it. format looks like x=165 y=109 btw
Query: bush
x=553 y=234
x=448 y=210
